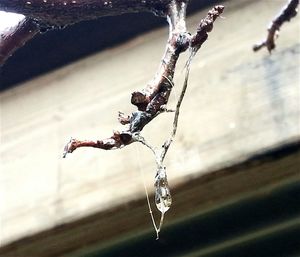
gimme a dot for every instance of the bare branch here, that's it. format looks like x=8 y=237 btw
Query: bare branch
x=287 y=13
x=152 y=100
x=66 y=12
x=47 y=14
x=15 y=37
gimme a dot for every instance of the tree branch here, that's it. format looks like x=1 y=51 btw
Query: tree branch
x=150 y=101
x=154 y=97
x=65 y=12
x=288 y=12
x=42 y=15
x=15 y=37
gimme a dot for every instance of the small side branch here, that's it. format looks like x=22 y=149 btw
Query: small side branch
x=153 y=99
x=116 y=141
x=286 y=14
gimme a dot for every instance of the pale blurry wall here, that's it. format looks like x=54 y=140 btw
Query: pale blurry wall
x=238 y=102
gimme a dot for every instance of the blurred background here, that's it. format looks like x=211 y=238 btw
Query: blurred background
x=233 y=168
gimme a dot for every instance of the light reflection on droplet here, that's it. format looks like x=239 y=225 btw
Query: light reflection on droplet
x=163 y=199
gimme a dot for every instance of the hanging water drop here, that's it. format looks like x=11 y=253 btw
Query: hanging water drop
x=163 y=199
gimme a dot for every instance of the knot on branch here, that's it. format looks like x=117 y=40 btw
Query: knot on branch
x=140 y=100
x=181 y=42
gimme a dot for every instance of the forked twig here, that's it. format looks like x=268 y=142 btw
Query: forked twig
x=151 y=100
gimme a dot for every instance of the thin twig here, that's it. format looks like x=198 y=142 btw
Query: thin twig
x=168 y=142
x=286 y=14
x=152 y=100
x=155 y=96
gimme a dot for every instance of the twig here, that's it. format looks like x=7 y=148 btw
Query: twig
x=288 y=12
x=205 y=26
x=152 y=101
x=169 y=141
x=155 y=96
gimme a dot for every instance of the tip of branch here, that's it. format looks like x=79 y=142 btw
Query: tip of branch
x=270 y=47
x=220 y=8
x=257 y=47
x=68 y=148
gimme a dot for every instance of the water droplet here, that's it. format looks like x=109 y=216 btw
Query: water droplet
x=163 y=199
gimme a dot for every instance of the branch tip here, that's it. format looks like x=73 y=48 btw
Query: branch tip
x=286 y=14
